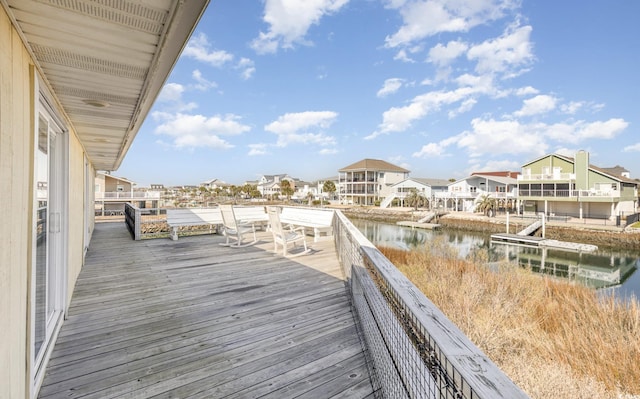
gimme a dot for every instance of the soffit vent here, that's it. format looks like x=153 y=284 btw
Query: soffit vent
x=68 y=59
x=127 y=13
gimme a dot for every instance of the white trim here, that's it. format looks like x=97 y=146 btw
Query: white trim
x=57 y=226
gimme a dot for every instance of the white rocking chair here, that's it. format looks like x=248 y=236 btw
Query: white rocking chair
x=234 y=230
x=284 y=236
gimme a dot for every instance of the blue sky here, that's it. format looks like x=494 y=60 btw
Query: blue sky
x=442 y=88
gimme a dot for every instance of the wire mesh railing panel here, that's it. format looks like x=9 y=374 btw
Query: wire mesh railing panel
x=412 y=349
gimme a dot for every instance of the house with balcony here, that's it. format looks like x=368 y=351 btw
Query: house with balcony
x=427 y=188
x=368 y=181
x=464 y=194
x=112 y=192
x=558 y=185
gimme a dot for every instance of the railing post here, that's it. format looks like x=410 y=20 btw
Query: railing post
x=138 y=224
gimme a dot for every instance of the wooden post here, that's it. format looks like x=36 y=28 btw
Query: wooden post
x=507 y=222
x=544 y=217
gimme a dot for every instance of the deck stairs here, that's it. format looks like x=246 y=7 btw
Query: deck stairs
x=530 y=229
x=427 y=218
x=387 y=201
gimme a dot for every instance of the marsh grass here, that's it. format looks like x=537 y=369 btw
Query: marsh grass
x=555 y=339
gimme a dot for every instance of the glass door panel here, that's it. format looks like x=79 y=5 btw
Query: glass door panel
x=42 y=247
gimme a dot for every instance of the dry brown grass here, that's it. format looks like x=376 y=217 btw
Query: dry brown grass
x=553 y=338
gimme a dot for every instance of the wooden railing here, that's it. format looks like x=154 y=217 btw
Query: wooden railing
x=127 y=195
x=413 y=350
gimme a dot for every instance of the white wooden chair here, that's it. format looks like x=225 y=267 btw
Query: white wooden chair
x=234 y=230
x=283 y=236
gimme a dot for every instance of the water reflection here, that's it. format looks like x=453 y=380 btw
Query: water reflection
x=614 y=270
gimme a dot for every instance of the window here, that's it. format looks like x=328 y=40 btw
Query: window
x=119 y=187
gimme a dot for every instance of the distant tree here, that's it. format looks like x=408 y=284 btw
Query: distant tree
x=309 y=198
x=254 y=192
x=487 y=205
x=286 y=188
x=452 y=180
x=329 y=187
x=235 y=191
x=414 y=199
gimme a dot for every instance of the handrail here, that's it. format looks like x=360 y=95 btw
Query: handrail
x=127 y=195
x=133 y=220
x=413 y=350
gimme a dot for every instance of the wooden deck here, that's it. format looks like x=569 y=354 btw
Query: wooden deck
x=191 y=319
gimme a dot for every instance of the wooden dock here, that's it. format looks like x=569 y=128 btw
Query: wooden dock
x=543 y=242
x=418 y=225
x=193 y=319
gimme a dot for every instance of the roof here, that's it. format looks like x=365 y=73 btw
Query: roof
x=505 y=173
x=431 y=182
x=374 y=165
x=105 y=62
x=616 y=170
x=498 y=179
x=116 y=177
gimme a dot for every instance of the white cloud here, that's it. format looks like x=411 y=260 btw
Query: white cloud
x=247 y=67
x=257 y=149
x=399 y=119
x=539 y=104
x=424 y=18
x=525 y=91
x=171 y=92
x=632 y=148
x=303 y=128
x=198 y=48
x=572 y=107
x=465 y=106
x=171 y=96
x=402 y=56
x=289 y=21
x=190 y=131
x=509 y=54
x=430 y=150
x=390 y=86
x=444 y=55
x=578 y=131
x=489 y=136
x=202 y=83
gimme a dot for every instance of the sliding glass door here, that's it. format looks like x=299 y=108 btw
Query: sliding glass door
x=49 y=269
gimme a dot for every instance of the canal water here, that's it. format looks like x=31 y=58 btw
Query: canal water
x=607 y=270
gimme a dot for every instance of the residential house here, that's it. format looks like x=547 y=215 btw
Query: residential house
x=368 y=181
x=77 y=79
x=271 y=185
x=213 y=184
x=305 y=191
x=464 y=194
x=558 y=185
x=112 y=192
x=427 y=188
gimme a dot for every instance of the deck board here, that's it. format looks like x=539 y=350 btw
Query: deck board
x=191 y=318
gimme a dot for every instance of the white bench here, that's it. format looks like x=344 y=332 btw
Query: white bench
x=180 y=217
x=319 y=220
x=256 y=215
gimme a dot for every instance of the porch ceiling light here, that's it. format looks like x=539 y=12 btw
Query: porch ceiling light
x=96 y=103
